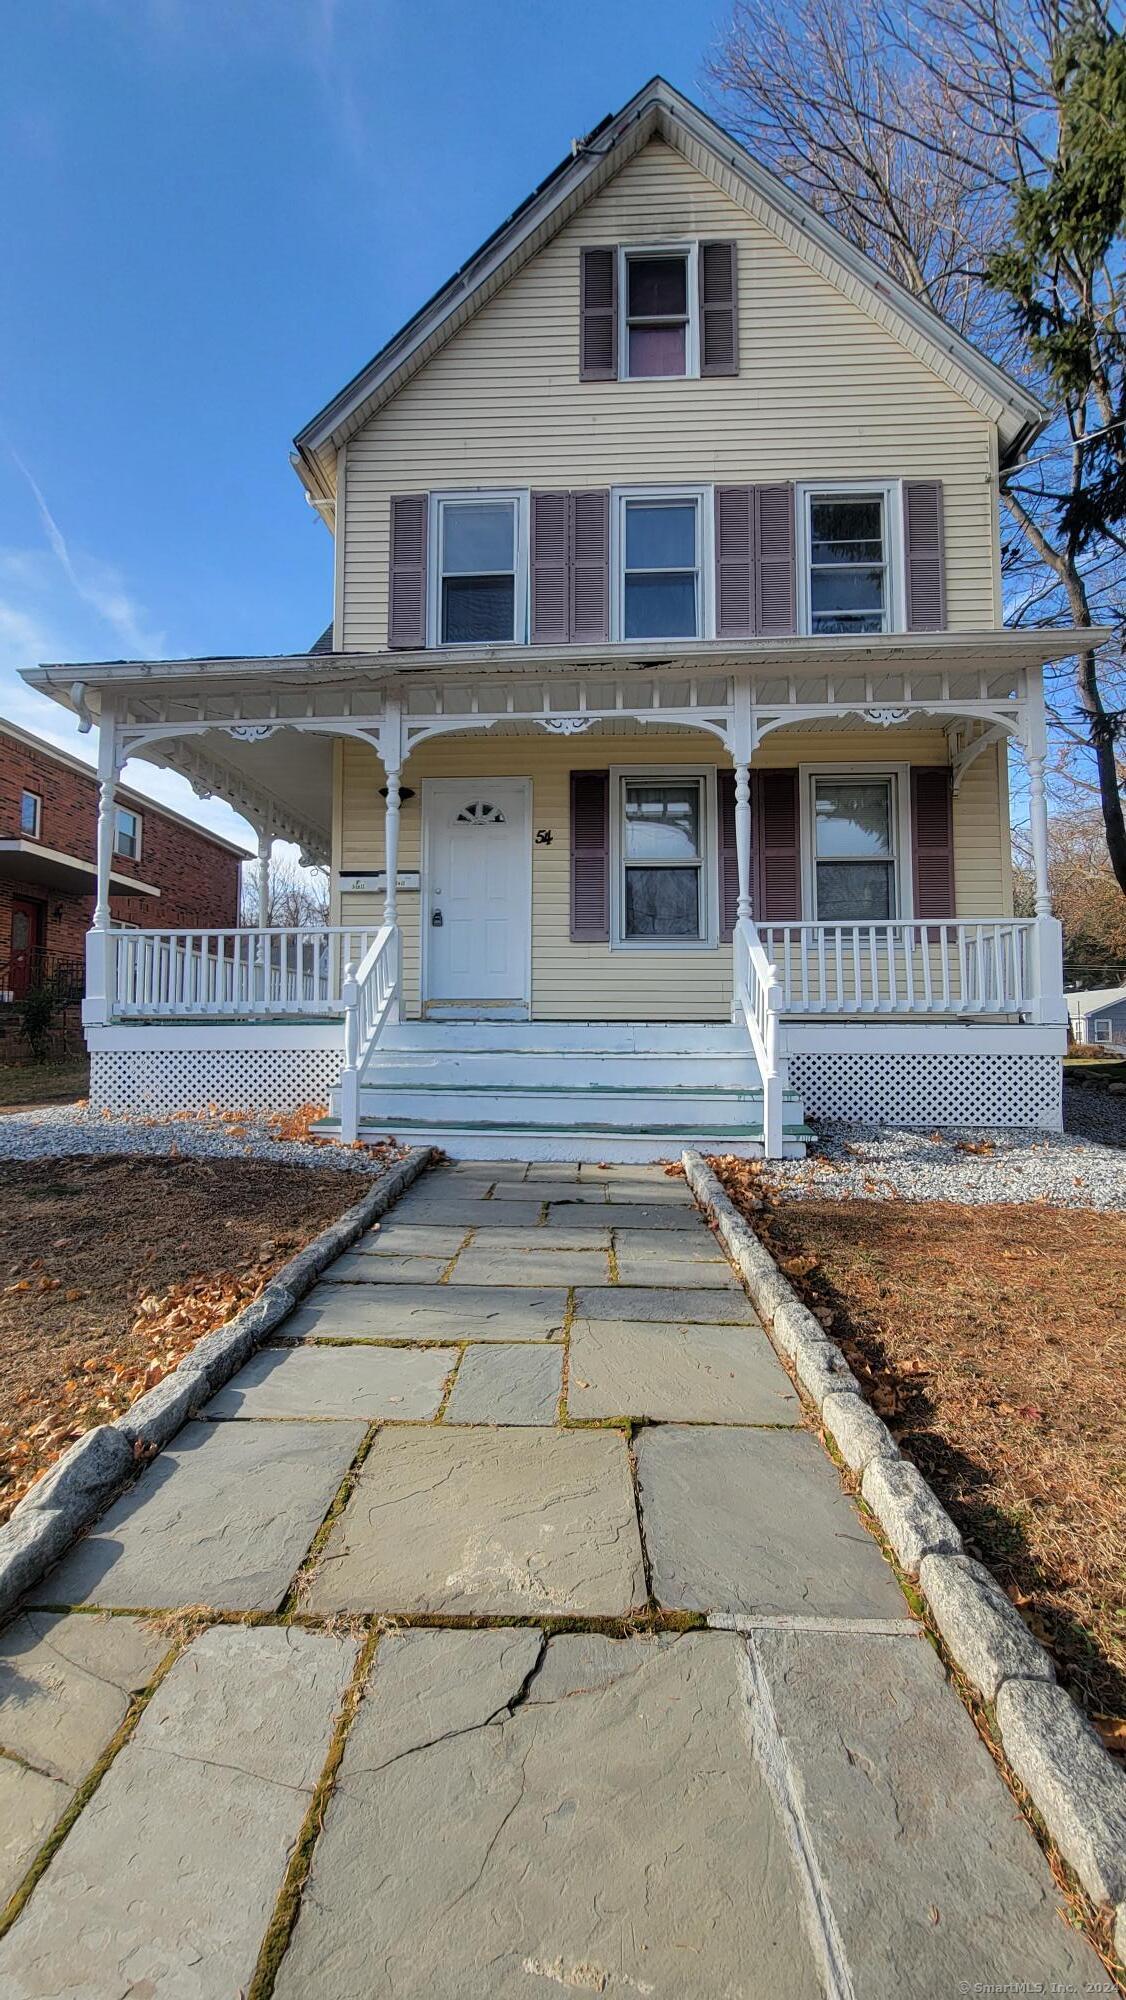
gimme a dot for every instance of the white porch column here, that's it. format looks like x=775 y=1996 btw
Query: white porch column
x=97 y=1003
x=391 y=850
x=743 y=837
x=1038 y=826
x=109 y=764
x=1046 y=969
x=262 y=875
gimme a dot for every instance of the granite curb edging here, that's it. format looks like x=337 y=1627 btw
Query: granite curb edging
x=1073 y=1783
x=69 y=1498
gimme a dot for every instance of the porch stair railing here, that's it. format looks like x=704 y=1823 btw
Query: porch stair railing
x=371 y=1000
x=758 y=1000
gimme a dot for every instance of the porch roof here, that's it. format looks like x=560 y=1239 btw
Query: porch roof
x=72 y=684
x=258 y=731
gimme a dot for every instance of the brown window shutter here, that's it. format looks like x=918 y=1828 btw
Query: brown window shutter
x=406 y=605
x=590 y=856
x=719 y=309
x=775 y=587
x=932 y=840
x=598 y=315
x=590 y=565
x=777 y=846
x=734 y=561
x=728 y=855
x=926 y=555
x=550 y=564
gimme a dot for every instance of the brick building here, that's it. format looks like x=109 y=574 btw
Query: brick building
x=167 y=872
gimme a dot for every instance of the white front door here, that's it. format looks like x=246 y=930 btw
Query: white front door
x=477 y=907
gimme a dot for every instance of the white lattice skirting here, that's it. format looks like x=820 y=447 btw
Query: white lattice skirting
x=149 y=1081
x=920 y=1089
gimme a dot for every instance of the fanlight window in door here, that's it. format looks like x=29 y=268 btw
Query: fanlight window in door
x=480 y=813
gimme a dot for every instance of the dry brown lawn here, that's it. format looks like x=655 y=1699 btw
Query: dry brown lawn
x=112 y=1268
x=992 y=1341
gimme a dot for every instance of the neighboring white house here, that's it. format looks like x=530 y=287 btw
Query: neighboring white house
x=1099 y=1015
x=660 y=747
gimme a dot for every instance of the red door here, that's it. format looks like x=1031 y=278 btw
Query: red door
x=27 y=946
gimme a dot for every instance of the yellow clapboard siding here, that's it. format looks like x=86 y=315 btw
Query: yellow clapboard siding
x=589 y=981
x=824 y=392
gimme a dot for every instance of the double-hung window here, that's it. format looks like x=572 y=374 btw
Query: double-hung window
x=127 y=834
x=481 y=571
x=662 y=891
x=661 y=566
x=855 y=847
x=659 y=331
x=850 y=581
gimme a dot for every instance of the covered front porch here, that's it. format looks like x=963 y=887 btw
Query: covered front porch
x=348 y=755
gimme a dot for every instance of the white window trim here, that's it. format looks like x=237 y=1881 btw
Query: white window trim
x=704 y=499
x=1102 y=1031
x=33 y=832
x=119 y=852
x=690 y=250
x=670 y=774
x=902 y=857
x=520 y=497
x=891 y=492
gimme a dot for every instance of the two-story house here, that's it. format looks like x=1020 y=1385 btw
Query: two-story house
x=660 y=745
x=163 y=867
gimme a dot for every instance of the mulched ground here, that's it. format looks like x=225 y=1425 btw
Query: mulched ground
x=112 y=1268
x=993 y=1343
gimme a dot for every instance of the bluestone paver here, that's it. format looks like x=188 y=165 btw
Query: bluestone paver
x=452 y=1519
x=395 y=1383
x=467 y=1208
x=570 y=1194
x=709 y=1304
x=507 y=1385
x=222 y=1518
x=639 y=1264
x=416 y=1239
x=669 y=1372
x=484 y=1265
x=588 y=1231
x=755 y=1520
x=598 y=1826
x=66 y=1683
x=167 y=1880
x=936 y=1885
x=641 y=1215
x=30 y=1804
x=428 y=1312
x=388 y=1267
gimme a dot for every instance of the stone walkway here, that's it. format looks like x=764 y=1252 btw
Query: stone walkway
x=572 y=1665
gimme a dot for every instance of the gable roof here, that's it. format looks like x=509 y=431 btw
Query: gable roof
x=660 y=111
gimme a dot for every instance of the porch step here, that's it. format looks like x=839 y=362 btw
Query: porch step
x=547 y=1090
x=485 y=1139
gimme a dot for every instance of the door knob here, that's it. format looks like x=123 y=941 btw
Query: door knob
x=436 y=919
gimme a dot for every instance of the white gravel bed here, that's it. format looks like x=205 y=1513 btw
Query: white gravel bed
x=1084 y=1167
x=63 y=1129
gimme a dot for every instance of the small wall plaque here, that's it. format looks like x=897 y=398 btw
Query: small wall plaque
x=373 y=881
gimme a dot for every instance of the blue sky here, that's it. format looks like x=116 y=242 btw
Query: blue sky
x=213 y=212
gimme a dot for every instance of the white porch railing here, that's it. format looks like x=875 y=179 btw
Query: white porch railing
x=371 y=1000
x=225 y=974
x=758 y=998
x=905 y=969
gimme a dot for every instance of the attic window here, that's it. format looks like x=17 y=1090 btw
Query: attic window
x=659 y=334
